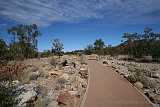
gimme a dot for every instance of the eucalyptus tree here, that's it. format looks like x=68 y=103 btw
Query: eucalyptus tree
x=57 y=47
x=89 y=49
x=26 y=36
x=139 y=45
x=99 y=46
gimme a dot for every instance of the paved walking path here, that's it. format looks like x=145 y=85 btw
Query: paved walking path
x=109 y=89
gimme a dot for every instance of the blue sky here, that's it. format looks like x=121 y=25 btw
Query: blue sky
x=78 y=23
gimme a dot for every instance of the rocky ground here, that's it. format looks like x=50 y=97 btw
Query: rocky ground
x=144 y=76
x=51 y=82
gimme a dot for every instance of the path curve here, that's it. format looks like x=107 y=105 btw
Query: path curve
x=109 y=89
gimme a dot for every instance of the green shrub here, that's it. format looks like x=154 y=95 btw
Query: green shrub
x=6 y=99
x=140 y=76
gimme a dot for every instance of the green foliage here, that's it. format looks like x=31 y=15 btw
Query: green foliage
x=155 y=50
x=140 y=45
x=57 y=47
x=6 y=99
x=139 y=75
x=3 y=49
x=99 y=43
x=46 y=53
x=99 y=46
x=89 y=49
x=26 y=46
x=111 y=50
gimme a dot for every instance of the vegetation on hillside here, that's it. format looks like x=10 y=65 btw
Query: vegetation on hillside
x=135 y=46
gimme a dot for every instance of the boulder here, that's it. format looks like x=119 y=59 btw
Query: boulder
x=151 y=96
x=65 y=76
x=67 y=99
x=83 y=71
x=84 y=74
x=105 y=62
x=157 y=99
x=124 y=74
x=63 y=97
x=56 y=73
x=138 y=85
x=34 y=75
x=26 y=97
x=146 y=90
x=114 y=66
x=155 y=75
x=116 y=70
x=15 y=83
x=73 y=92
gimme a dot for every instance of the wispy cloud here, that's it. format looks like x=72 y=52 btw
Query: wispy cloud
x=46 y=12
x=3 y=24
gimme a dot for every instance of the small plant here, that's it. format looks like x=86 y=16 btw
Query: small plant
x=53 y=62
x=6 y=99
x=140 y=76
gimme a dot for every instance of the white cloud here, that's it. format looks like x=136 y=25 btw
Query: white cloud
x=3 y=24
x=46 y=12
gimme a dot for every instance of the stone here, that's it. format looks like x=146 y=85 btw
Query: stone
x=82 y=81
x=104 y=62
x=125 y=75
x=63 y=97
x=157 y=99
x=83 y=71
x=114 y=66
x=146 y=90
x=25 y=97
x=151 y=96
x=65 y=76
x=15 y=83
x=57 y=73
x=138 y=85
x=34 y=75
x=73 y=92
x=155 y=75
x=116 y=70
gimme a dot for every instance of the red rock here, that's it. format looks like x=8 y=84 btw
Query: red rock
x=62 y=98
x=67 y=99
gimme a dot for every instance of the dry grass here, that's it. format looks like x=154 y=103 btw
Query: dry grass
x=53 y=61
x=11 y=69
x=24 y=78
x=140 y=76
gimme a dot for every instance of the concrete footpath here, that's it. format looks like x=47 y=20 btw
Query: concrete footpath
x=109 y=89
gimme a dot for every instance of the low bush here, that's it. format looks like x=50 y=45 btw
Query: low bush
x=53 y=61
x=10 y=70
x=6 y=99
x=140 y=76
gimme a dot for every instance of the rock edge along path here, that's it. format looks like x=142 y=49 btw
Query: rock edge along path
x=109 y=89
